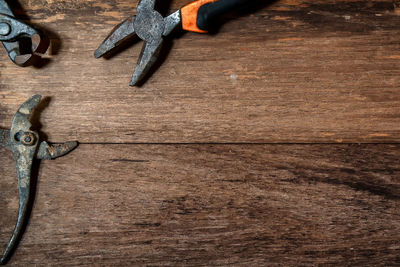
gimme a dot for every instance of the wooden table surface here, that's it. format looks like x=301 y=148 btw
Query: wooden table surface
x=275 y=141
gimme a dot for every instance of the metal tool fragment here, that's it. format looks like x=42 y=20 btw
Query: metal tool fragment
x=14 y=35
x=26 y=146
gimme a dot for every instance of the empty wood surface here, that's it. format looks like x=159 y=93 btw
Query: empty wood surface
x=287 y=71
x=147 y=186
x=207 y=205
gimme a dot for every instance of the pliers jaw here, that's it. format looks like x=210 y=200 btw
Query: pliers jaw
x=118 y=35
x=21 y=40
x=25 y=145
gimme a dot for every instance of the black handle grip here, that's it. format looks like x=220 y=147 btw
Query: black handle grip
x=209 y=12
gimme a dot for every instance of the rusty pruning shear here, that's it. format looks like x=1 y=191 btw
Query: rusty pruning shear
x=26 y=146
x=13 y=31
x=150 y=26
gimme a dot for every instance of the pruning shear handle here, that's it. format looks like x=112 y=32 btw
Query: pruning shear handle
x=26 y=146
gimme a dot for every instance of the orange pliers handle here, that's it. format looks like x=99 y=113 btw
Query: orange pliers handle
x=189 y=14
x=199 y=15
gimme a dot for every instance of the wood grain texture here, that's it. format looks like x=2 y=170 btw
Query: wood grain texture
x=207 y=205
x=291 y=71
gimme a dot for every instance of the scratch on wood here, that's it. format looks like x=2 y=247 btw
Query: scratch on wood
x=129 y=160
x=290 y=39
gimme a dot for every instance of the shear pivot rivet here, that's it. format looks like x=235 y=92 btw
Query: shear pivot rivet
x=28 y=139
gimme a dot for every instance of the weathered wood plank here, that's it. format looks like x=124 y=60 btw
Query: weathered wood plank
x=294 y=71
x=207 y=205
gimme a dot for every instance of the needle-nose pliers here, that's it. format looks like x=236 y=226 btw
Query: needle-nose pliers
x=150 y=26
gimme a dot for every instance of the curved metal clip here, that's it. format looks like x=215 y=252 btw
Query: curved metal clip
x=26 y=146
x=12 y=31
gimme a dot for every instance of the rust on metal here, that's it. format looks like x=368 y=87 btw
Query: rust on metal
x=26 y=146
x=13 y=30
